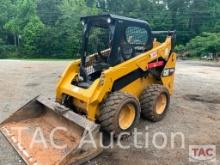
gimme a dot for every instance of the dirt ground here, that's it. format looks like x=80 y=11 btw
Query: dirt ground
x=194 y=110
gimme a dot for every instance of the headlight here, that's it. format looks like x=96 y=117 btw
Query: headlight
x=83 y=23
x=109 y=20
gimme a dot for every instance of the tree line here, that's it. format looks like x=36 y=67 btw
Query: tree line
x=51 y=28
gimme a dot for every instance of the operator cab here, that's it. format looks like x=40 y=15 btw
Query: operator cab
x=108 y=40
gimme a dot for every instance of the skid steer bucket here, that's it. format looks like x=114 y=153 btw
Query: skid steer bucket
x=46 y=133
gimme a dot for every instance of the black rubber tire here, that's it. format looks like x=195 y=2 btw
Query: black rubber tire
x=110 y=110
x=148 y=101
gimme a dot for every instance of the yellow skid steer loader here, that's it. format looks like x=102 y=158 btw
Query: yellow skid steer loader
x=123 y=73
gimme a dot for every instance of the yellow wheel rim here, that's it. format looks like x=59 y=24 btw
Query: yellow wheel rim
x=126 y=116
x=161 y=104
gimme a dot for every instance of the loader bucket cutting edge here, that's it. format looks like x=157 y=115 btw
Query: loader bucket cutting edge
x=46 y=133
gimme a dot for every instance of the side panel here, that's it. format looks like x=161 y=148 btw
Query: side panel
x=168 y=73
x=136 y=87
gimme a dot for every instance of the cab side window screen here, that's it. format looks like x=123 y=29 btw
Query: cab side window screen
x=136 y=35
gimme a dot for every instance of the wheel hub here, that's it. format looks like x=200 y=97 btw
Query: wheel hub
x=161 y=104
x=126 y=116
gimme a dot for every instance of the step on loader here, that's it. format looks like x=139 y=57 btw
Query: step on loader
x=123 y=73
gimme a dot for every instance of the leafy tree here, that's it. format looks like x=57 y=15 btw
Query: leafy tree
x=30 y=35
x=51 y=28
x=70 y=24
x=206 y=43
x=48 y=11
x=24 y=22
